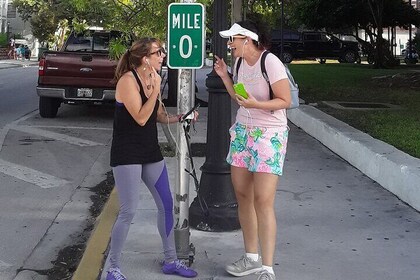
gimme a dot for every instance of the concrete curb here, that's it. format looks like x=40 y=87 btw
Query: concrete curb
x=91 y=263
x=396 y=171
x=10 y=63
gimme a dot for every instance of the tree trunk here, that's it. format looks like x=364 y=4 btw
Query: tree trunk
x=376 y=8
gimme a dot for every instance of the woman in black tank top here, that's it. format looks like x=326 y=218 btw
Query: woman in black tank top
x=137 y=105
x=135 y=152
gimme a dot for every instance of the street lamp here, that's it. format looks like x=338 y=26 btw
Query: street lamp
x=215 y=207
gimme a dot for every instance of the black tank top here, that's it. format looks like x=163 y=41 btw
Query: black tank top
x=132 y=143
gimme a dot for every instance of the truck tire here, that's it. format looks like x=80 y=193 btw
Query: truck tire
x=287 y=57
x=350 y=56
x=48 y=107
x=322 y=60
x=370 y=59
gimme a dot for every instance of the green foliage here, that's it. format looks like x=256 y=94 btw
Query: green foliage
x=3 y=40
x=270 y=11
x=46 y=15
x=79 y=26
x=140 y=18
x=342 y=14
x=27 y=8
x=117 y=47
x=336 y=82
x=44 y=24
x=416 y=42
x=369 y=15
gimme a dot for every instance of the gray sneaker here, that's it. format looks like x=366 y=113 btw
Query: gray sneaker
x=244 y=266
x=265 y=275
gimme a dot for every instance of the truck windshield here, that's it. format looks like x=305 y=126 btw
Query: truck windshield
x=89 y=41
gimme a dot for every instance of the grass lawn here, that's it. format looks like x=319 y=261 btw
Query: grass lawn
x=361 y=83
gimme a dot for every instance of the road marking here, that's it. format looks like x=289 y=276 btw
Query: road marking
x=54 y=135
x=7 y=127
x=4 y=266
x=31 y=176
x=73 y=127
x=94 y=255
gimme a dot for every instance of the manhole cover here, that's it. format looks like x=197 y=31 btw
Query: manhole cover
x=360 y=105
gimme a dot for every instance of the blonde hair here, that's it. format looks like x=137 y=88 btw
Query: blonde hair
x=131 y=59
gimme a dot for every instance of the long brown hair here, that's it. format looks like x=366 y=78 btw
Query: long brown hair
x=131 y=59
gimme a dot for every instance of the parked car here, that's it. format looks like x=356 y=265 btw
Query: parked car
x=367 y=49
x=81 y=72
x=313 y=45
x=410 y=57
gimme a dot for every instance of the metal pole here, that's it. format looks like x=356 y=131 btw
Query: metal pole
x=185 y=101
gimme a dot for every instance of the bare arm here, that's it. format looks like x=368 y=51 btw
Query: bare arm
x=127 y=92
x=221 y=69
x=164 y=117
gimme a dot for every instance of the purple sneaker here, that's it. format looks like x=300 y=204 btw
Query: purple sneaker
x=115 y=274
x=178 y=267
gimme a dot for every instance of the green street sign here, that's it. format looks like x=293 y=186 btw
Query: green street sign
x=186 y=35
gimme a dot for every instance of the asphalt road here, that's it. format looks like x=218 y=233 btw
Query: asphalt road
x=48 y=168
x=17 y=93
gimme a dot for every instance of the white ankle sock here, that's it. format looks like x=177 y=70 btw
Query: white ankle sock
x=268 y=268
x=252 y=256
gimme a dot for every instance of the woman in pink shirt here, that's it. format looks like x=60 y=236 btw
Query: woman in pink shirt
x=258 y=144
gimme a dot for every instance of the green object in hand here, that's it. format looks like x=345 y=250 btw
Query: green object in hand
x=240 y=90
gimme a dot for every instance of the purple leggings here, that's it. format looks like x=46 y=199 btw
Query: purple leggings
x=127 y=181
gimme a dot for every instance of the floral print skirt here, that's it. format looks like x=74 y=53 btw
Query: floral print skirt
x=258 y=149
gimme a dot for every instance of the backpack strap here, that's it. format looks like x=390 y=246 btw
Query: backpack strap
x=263 y=71
x=235 y=75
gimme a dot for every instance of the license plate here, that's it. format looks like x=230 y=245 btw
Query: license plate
x=84 y=92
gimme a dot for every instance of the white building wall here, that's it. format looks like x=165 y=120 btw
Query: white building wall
x=10 y=19
x=3 y=16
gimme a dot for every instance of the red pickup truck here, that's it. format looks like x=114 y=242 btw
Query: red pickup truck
x=81 y=72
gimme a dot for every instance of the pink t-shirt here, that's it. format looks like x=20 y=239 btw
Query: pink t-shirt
x=256 y=85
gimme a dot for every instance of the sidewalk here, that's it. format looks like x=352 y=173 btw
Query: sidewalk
x=12 y=63
x=333 y=221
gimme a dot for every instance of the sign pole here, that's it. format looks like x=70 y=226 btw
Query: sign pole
x=182 y=228
x=186 y=53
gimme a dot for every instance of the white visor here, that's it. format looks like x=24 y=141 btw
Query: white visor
x=236 y=29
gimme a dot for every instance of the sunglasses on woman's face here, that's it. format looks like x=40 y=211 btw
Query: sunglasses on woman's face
x=159 y=52
x=231 y=38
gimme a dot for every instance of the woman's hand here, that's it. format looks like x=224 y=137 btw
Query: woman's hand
x=196 y=114
x=155 y=81
x=249 y=102
x=220 y=67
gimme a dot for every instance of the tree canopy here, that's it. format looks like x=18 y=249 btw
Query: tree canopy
x=137 y=18
x=351 y=15
x=132 y=17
